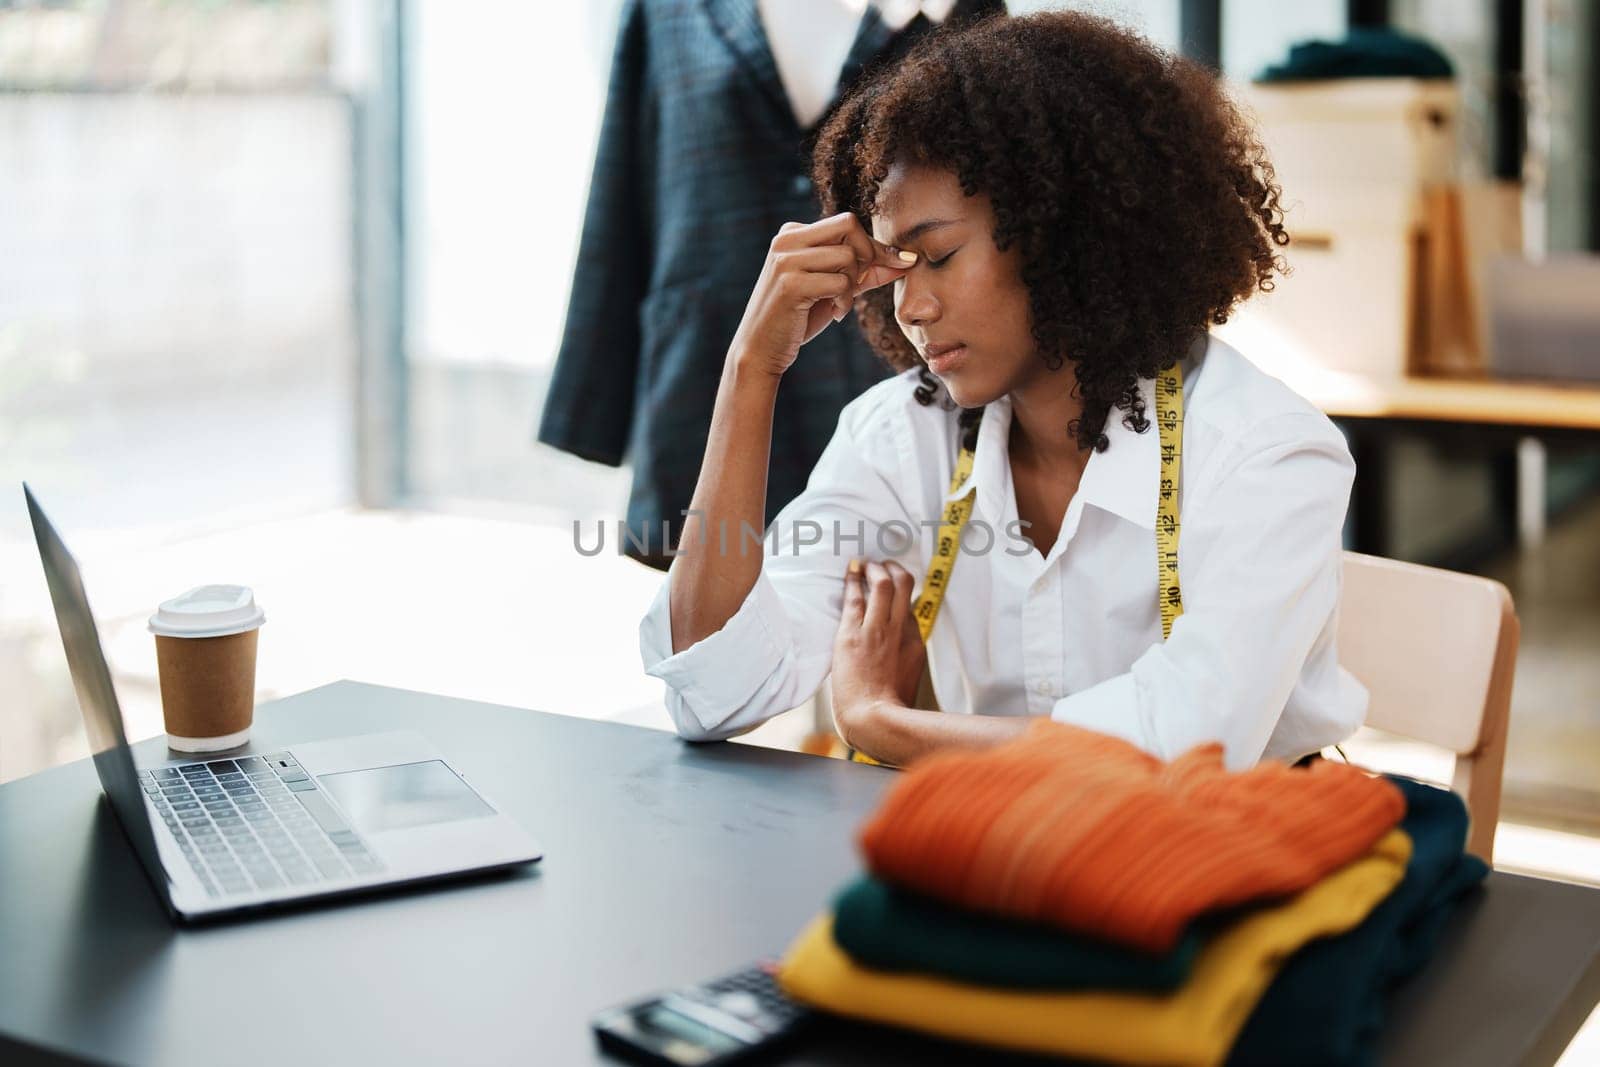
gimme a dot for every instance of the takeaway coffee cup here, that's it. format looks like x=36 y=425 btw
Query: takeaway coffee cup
x=206 y=652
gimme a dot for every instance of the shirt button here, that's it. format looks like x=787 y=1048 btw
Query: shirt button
x=1044 y=689
x=801 y=185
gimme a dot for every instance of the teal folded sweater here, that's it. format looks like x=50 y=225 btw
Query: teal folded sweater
x=889 y=929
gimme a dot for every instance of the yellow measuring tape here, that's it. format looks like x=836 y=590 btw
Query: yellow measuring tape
x=1169 y=428
x=956 y=514
x=1169 y=424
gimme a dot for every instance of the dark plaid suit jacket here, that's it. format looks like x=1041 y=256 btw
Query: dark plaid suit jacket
x=700 y=161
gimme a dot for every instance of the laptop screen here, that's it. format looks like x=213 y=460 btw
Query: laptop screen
x=91 y=678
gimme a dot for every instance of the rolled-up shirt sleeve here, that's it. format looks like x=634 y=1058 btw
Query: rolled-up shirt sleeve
x=777 y=648
x=1260 y=560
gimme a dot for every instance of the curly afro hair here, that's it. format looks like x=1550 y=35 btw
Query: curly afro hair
x=1143 y=203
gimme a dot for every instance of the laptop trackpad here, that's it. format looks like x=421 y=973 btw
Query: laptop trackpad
x=411 y=794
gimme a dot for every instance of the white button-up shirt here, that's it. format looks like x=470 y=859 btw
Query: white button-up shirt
x=1075 y=633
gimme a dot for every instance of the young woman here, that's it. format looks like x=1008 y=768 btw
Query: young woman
x=1036 y=219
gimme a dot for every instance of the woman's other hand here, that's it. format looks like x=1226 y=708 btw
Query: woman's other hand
x=813 y=273
x=878 y=656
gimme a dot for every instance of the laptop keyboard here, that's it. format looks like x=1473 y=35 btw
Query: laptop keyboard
x=254 y=823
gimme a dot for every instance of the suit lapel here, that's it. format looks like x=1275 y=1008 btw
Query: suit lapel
x=872 y=37
x=738 y=23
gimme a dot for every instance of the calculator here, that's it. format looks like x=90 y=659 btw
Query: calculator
x=727 y=1020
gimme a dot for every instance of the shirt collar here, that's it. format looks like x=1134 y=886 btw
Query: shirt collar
x=897 y=14
x=1124 y=479
x=991 y=461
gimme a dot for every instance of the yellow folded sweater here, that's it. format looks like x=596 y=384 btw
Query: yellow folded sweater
x=1194 y=1026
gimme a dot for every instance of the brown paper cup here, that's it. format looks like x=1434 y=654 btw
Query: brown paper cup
x=208 y=689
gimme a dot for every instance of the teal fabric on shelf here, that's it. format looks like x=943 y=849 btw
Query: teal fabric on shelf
x=1364 y=53
x=889 y=929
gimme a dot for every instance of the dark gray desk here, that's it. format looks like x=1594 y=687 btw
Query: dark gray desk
x=665 y=863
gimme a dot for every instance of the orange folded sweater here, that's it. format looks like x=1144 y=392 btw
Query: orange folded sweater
x=1090 y=833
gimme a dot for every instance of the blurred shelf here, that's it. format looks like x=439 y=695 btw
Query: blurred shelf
x=1500 y=402
x=1485 y=401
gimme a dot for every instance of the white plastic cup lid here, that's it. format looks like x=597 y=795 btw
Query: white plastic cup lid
x=208 y=611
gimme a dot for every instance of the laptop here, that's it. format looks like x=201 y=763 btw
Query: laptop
x=231 y=834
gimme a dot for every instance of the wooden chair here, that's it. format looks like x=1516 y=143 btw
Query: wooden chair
x=1436 y=651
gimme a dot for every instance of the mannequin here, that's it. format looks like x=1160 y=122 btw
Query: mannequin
x=676 y=228
x=810 y=39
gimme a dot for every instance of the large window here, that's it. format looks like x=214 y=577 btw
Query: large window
x=503 y=106
x=176 y=340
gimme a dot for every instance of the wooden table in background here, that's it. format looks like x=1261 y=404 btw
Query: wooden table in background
x=1483 y=414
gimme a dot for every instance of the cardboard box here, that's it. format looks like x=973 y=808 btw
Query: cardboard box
x=1379 y=280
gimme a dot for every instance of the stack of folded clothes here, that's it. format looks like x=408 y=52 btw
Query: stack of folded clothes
x=1068 y=893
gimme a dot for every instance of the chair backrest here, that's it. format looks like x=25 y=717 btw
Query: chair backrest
x=1437 y=651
